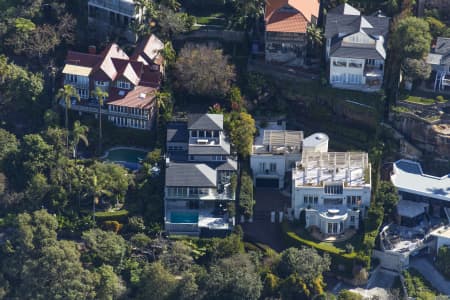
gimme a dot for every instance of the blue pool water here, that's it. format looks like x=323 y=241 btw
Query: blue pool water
x=129 y=158
x=183 y=217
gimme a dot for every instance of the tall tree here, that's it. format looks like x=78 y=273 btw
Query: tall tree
x=67 y=93
x=101 y=96
x=79 y=134
x=242 y=131
x=105 y=247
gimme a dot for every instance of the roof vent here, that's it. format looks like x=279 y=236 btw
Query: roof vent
x=142 y=95
x=121 y=93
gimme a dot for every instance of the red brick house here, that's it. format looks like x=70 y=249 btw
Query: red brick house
x=131 y=81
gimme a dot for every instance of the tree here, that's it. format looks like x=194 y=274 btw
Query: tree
x=203 y=70
x=109 y=286
x=233 y=278
x=242 y=131
x=304 y=262
x=67 y=93
x=101 y=96
x=443 y=260
x=177 y=258
x=40 y=265
x=315 y=36
x=156 y=283
x=416 y=69
x=437 y=28
x=105 y=247
x=411 y=38
x=171 y=23
x=8 y=144
x=387 y=196
x=246 y=200
x=79 y=133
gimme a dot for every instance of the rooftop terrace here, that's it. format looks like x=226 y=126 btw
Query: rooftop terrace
x=316 y=168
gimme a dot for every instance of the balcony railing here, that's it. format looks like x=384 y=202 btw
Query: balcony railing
x=120 y=6
x=78 y=85
x=130 y=115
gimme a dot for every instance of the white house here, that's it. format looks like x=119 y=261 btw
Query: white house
x=274 y=152
x=414 y=185
x=442 y=237
x=333 y=188
x=356 y=48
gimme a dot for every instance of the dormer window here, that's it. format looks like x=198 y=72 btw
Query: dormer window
x=121 y=84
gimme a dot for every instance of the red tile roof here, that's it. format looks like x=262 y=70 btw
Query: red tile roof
x=307 y=8
x=287 y=22
x=82 y=59
x=140 y=97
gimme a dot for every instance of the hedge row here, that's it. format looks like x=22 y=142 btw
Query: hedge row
x=340 y=260
x=119 y=216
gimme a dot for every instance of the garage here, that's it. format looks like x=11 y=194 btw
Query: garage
x=267 y=182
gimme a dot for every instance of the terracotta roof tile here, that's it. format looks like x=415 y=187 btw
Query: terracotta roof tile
x=287 y=22
x=140 y=97
x=308 y=8
x=82 y=59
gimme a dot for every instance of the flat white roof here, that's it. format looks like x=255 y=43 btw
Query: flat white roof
x=443 y=231
x=315 y=139
x=408 y=177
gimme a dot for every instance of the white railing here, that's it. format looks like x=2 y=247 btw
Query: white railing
x=181 y=227
x=124 y=7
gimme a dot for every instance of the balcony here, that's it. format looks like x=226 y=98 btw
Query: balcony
x=122 y=6
x=373 y=71
x=127 y=115
x=78 y=85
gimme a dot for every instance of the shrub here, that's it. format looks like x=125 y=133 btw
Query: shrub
x=136 y=224
x=349 y=248
x=440 y=99
x=112 y=225
x=348 y=295
x=246 y=201
x=443 y=260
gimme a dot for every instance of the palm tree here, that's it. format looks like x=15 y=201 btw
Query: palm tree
x=101 y=95
x=97 y=192
x=67 y=93
x=315 y=35
x=79 y=133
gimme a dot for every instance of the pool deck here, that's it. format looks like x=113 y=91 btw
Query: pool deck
x=122 y=148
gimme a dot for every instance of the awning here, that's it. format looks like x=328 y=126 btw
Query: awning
x=76 y=70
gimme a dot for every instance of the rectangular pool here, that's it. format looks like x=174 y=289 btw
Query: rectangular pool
x=184 y=217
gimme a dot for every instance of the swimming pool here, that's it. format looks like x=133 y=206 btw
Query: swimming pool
x=184 y=217
x=128 y=157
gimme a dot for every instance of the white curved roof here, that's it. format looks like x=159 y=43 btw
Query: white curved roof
x=409 y=177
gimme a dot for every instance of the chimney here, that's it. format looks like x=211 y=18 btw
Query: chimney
x=92 y=49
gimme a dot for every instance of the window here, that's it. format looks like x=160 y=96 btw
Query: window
x=123 y=85
x=352 y=219
x=273 y=167
x=332 y=201
x=339 y=63
x=71 y=78
x=83 y=93
x=101 y=83
x=201 y=134
x=216 y=133
x=354 y=79
x=194 y=133
x=334 y=189
x=355 y=64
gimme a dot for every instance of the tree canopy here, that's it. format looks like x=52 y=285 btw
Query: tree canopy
x=203 y=70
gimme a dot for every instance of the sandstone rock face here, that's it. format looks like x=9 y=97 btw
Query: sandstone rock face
x=430 y=137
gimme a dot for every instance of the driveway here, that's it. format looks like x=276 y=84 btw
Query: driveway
x=427 y=269
x=261 y=229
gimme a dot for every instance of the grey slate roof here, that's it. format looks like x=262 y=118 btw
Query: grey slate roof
x=442 y=45
x=205 y=121
x=177 y=132
x=344 y=9
x=229 y=165
x=343 y=21
x=362 y=51
x=222 y=149
x=190 y=174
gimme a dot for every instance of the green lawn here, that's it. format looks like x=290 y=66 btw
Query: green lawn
x=423 y=100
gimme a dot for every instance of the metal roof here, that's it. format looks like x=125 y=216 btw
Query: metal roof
x=205 y=121
x=190 y=174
